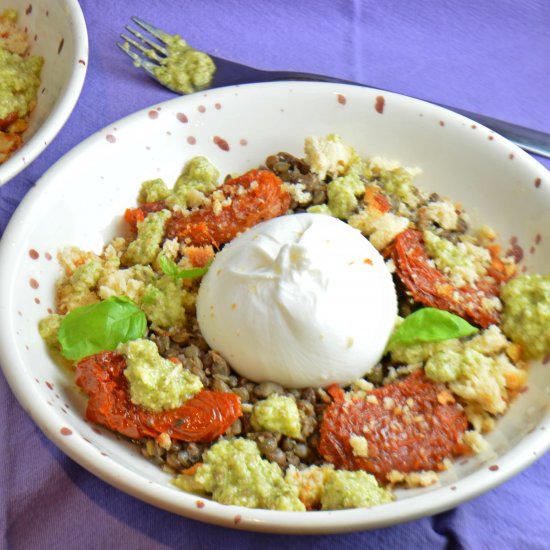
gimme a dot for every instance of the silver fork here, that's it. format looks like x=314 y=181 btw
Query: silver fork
x=149 y=50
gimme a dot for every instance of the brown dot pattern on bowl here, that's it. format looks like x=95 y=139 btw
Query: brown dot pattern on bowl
x=221 y=143
x=515 y=250
x=380 y=104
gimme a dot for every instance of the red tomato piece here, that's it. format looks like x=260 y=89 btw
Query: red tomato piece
x=409 y=425
x=204 y=417
x=433 y=288
x=256 y=196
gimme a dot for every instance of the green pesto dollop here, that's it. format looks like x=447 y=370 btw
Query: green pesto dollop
x=153 y=190
x=198 y=178
x=80 y=288
x=164 y=302
x=48 y=327
x=359 y=489
x=444 y=366
x=234 y=472
x=145 y=248
x=526 y=315
x=19 y=82
x=156 y=383
x=199 y=175
x=86 y=275
x=277 y=413
x=184 y=70
x=342 y=193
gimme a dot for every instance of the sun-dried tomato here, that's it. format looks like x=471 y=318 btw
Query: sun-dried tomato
x=256 y=196
x=204 y=417
x=433 y=288
x=409 y=425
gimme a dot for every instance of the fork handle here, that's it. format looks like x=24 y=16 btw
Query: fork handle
x=533 y=141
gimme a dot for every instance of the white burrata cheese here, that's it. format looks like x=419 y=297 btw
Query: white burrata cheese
x=301 y=300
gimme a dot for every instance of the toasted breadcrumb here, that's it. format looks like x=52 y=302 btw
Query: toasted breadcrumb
x=413 y=479
x=475 y=441
x=359 y=445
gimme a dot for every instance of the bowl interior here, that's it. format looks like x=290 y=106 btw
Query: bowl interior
x=237 y=128
x=57 y=32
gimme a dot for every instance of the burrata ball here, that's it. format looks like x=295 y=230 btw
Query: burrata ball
x=301 y=300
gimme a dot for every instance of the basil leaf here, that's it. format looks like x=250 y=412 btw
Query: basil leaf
x=172 y=270
x=100 y=327
x=430 y=325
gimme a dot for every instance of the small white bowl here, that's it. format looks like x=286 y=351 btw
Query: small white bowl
x=57 y=32
x=237 y=127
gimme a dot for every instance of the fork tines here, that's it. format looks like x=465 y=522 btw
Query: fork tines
x=152 y=51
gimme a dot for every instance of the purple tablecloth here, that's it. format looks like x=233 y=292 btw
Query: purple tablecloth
x=489 y=57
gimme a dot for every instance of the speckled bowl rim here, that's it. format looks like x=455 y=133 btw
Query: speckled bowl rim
x=531 y=447
x=64 y=105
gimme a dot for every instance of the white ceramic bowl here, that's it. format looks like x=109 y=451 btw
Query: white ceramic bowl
x=236 y=128
x=57 y=32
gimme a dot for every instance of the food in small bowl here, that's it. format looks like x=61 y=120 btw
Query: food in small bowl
x=19 y=83
x=43 y=59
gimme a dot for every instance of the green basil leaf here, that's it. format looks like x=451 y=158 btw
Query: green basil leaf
x=100 y=327
x=172 y=270
x=430 y=325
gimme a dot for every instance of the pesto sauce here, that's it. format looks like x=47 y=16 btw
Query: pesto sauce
x=344 y=490
x=277 y=413
x=234 y=472
x=19 y=82
x=144 y=249
x=526 y=315
x=156 y=383
x=184 y=70
x=199 y=178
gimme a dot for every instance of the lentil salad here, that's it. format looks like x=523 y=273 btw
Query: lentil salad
x=380 y=199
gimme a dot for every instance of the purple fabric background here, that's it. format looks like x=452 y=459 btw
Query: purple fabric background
x=490 y=57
